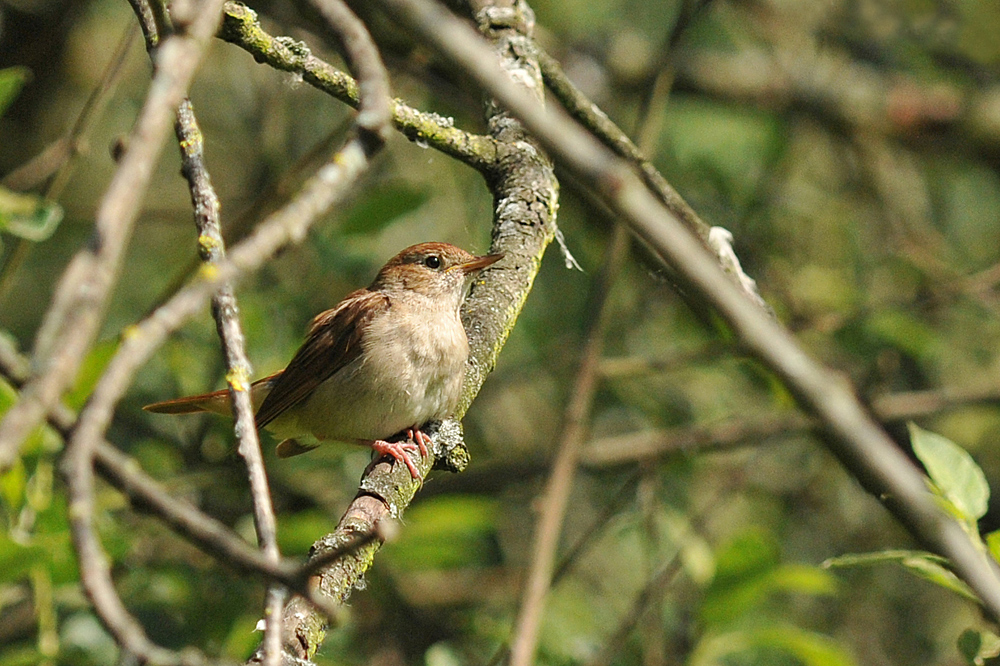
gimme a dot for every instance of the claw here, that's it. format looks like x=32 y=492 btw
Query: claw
x=401 y=451
x=420 y=438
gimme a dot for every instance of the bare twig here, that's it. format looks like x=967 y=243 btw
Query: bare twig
x=866 y=450
x=691 y=440
x=73 y=320
x=205 y=202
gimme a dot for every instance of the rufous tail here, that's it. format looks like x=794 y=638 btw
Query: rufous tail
x=216 y=402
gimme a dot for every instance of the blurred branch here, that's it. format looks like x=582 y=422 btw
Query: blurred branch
x=77 y=310
x=853 y=436
x=691 y=440
x=839 y=89
x=241 y=27
x=555 y=498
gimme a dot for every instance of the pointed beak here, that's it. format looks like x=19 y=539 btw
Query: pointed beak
x=479 y=263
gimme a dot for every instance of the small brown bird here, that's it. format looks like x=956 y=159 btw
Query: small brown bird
x=387 y=359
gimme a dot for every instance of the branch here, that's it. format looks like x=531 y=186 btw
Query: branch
x=853 y=436
x=241 y=27
x=691 y=440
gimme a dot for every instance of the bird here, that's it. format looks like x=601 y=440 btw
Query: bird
x=387 y=360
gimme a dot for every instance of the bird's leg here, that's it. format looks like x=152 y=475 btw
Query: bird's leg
x=401 y=451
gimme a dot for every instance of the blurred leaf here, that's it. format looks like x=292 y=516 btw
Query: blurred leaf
x=748 y=574
x=903 y=331
x=16 y=559
x=12 y=79
x=925 y=565
x=993 y=543
x=8 y=396
x=23 y=656
x=750 y=554
x=953 y=471
x=83 y=639
x=90 y=372
x=446 y=532
x=804 y=579
x=301 y=529
x=28 y=216
x=732 y=145
x=978 y=646
x=12 y=486
x=381 y=206
x=808 y=647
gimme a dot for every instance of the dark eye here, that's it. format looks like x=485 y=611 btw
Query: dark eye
x=433 y=261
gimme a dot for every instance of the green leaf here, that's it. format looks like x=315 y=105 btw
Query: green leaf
x=809 y=648
x=90 y=372
x=748 y=576
x=928 y=566
x=953 y=471
x=12 y=79
x=28 y=216
x=978 y=646
x=993 y=543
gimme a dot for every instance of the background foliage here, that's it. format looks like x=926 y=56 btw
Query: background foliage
x=851 y=147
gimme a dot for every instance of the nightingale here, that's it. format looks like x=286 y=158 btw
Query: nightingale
x=387 y=360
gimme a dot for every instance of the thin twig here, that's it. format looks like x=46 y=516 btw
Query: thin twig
x=207 y=218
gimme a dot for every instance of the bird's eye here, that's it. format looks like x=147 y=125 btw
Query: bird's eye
x=433 y=261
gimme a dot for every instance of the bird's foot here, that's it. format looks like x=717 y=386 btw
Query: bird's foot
x=401 y=451
x=418 y=436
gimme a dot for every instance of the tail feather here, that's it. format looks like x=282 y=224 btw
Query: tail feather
x=216 y=402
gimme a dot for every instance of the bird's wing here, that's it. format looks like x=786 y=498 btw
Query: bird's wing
x=333 y=341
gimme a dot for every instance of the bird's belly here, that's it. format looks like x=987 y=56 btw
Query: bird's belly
x=408 y=383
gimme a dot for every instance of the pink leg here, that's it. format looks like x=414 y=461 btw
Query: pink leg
x=400 y=451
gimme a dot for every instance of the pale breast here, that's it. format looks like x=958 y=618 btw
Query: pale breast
x=410 y=373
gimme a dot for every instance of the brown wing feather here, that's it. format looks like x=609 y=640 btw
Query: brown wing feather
x=333 y=341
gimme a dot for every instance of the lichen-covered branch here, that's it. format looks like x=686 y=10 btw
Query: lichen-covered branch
x=241 y=27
